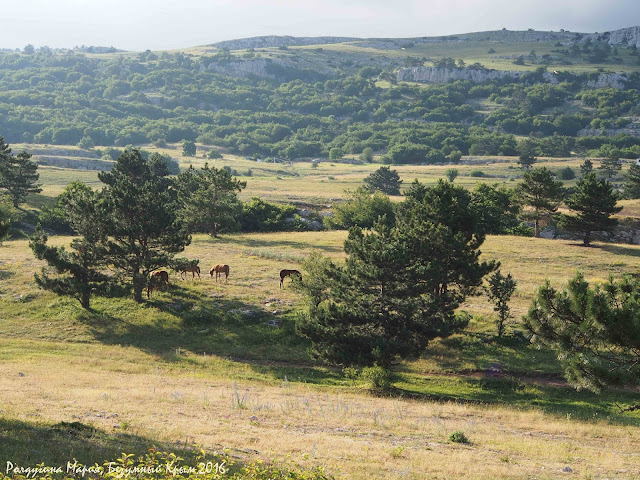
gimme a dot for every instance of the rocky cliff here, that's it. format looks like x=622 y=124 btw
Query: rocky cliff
x=625 y=36
x=445 y=75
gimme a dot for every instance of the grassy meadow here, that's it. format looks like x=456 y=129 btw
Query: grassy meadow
x=220 y=364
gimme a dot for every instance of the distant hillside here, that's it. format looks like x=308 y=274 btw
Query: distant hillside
x=625 y=36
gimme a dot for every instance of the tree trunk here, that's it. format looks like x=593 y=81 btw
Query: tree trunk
x=86 y=295
x=536 y=229
x=587 y=238
x=138 y=286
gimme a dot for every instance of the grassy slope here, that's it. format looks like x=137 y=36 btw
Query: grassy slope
x=201 y=364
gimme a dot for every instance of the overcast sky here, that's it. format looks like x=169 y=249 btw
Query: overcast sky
x=163 y=24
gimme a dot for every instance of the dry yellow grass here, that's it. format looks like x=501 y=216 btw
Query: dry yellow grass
x=352 y=434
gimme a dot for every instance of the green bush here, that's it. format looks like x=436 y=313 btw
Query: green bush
x=458 y=437
x=260 y=216
x=477 y=173
x=377 y=378
x=566 y=173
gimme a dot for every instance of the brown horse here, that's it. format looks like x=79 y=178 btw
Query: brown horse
x=158 y=280
x=193 y=269
x=289 y=273
x=219 y=270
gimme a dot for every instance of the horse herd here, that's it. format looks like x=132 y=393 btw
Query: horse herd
x=160 y=279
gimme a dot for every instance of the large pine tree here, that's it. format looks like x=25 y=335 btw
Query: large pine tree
x=400 y=286
x=594 y=202
x=18 y=174
x=141 y=214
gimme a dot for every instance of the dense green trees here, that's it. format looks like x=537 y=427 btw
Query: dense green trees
x=594 y=331
x=594 y=202
x=71 y=99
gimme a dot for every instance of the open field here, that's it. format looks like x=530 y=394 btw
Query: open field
x=322 y=186
x=201 y=364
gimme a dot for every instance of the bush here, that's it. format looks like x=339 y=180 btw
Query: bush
x=214 y=154
x=566 y=173
x=458 y=437
x=377 y=378
x=477 y=173
x=260 y=216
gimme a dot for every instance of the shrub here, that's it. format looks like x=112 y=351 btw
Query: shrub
x=377 y=378
x=477 y=173
x=458 y=437
x=214 y=154
x=566 y=173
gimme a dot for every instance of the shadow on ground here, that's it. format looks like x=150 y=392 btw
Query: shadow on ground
x=26 y=443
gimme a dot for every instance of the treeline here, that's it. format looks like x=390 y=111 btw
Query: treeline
x=72 y=99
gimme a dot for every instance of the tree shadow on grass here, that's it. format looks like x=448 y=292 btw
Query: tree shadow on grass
x=620 y=250
x=265 y=243
x=213 y=326
x=560 y=401
x=27 y=444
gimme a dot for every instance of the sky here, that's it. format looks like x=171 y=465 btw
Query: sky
x=163 y=25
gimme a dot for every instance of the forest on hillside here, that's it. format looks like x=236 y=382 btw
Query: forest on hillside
x=119 y=100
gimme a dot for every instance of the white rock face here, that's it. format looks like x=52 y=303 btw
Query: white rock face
x=614 y=80
x=625 y=36
x=445 y=75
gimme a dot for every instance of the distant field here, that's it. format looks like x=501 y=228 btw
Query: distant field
x=478 y=51
x=321 y=186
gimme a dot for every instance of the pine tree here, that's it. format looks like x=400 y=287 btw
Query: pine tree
x=526 y=150
x=210 y=200
x=400 y=285
x=79 y=270
x=595 y=331
x=632 y=182
x=499 y=291
x=586 y=167
x=542 y=193
x=141 y=215
x=18 y=174
x=610 y=164
x=384 y=180
x=594 y=202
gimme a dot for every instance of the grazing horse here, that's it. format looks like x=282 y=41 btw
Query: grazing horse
x=194 y=269
x=289 y=273
x=219 y=270
x=157 y=280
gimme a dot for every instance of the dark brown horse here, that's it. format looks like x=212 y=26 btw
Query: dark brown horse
x=219 y=270
x=289 y=273
x=193 y=269
x=158 y=280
